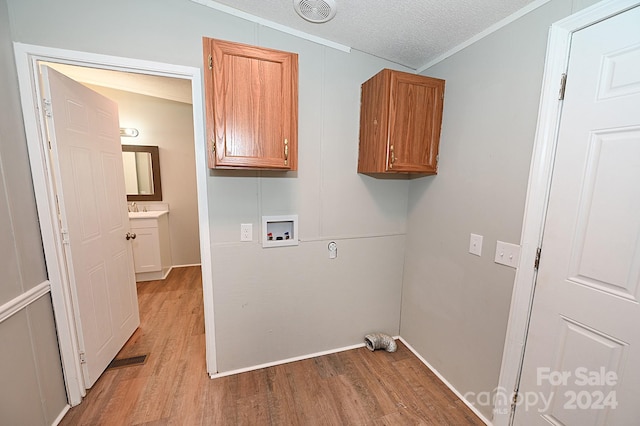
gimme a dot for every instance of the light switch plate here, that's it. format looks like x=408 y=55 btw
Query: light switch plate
x=475 y=244
x=507 y=254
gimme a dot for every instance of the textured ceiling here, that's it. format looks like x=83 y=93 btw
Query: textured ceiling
x=412 y=35
x=408 y=32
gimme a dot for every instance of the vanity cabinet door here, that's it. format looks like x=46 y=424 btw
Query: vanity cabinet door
x=146 y=250
x=251 y=106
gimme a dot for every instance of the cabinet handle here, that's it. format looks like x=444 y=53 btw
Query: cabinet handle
x=286 y=151
x=393 y=155
x=131 y=236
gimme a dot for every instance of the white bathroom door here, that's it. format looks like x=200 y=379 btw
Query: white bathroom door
x=86 y=156
x=582 y=357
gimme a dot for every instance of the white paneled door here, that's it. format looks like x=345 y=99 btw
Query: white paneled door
x=582 y=357
x=86 y=157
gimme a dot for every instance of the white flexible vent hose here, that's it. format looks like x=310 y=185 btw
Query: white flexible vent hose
x=380 y=341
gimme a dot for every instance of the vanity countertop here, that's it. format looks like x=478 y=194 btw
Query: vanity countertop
x=152 y=214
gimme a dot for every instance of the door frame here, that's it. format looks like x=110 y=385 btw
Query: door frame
x=549 y=114
x=27 y=56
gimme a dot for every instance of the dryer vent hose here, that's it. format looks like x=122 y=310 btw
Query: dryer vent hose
x=380 y=341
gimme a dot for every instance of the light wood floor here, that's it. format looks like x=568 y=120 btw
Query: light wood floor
x=354 y=387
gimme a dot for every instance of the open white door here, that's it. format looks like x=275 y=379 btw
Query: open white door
x=581 y=359
x=84 y=134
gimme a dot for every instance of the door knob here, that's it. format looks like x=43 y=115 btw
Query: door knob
x=130 y=236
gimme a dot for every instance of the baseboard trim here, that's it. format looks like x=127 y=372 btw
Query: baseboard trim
x=186 y=266
x=285 y=361
x=20 y=302
x=446 y=382
x=63 y=413
x=166 y=274
x=153 y=276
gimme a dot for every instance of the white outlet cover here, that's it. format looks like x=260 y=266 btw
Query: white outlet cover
x=475 y=244
x=507 y=254
x=246 y=232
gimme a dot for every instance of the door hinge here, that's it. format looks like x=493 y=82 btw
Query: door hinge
x=514 y=401
x=47 y=107
x=83 y=359
x=563 y=86
x=536 y=264
x=210 y=62
x=65 y=236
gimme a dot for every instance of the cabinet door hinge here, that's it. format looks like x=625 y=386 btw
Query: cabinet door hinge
x=563 y=86
x=536 y=264
x=210 y=62
x=83 y=359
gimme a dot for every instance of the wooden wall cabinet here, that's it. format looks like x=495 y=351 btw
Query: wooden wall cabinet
x=400 y=121
x=251 y=101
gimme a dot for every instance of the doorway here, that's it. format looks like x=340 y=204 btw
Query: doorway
x=582 y=334
x=156 y=121
x=544 y=155
x=27 y=59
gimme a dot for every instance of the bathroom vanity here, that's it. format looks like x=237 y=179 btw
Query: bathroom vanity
x=151 y=246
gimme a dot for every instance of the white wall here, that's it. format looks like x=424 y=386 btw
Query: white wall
x=283 y=302
x=169 y=126
x=333 y=304
x=455 y=305
x=32 y=390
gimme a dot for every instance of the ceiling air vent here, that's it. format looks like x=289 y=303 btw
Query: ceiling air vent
x=317 y=11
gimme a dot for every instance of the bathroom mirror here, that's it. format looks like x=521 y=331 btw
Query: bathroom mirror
x=142 y=172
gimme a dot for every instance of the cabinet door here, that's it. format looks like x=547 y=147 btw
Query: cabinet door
x=146 y=250
x=415 y=116
x=252 y=106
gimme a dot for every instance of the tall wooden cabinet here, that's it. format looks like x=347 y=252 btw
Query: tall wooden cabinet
x=400 y=120
x=251 y=106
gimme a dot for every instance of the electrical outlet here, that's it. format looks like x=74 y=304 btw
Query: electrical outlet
x=507 y=254
x=246 y=232
x=475 y=244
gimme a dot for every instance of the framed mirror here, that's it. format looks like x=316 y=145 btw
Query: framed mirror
x=142 y=172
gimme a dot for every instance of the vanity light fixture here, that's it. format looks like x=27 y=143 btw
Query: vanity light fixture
x=128 y=132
